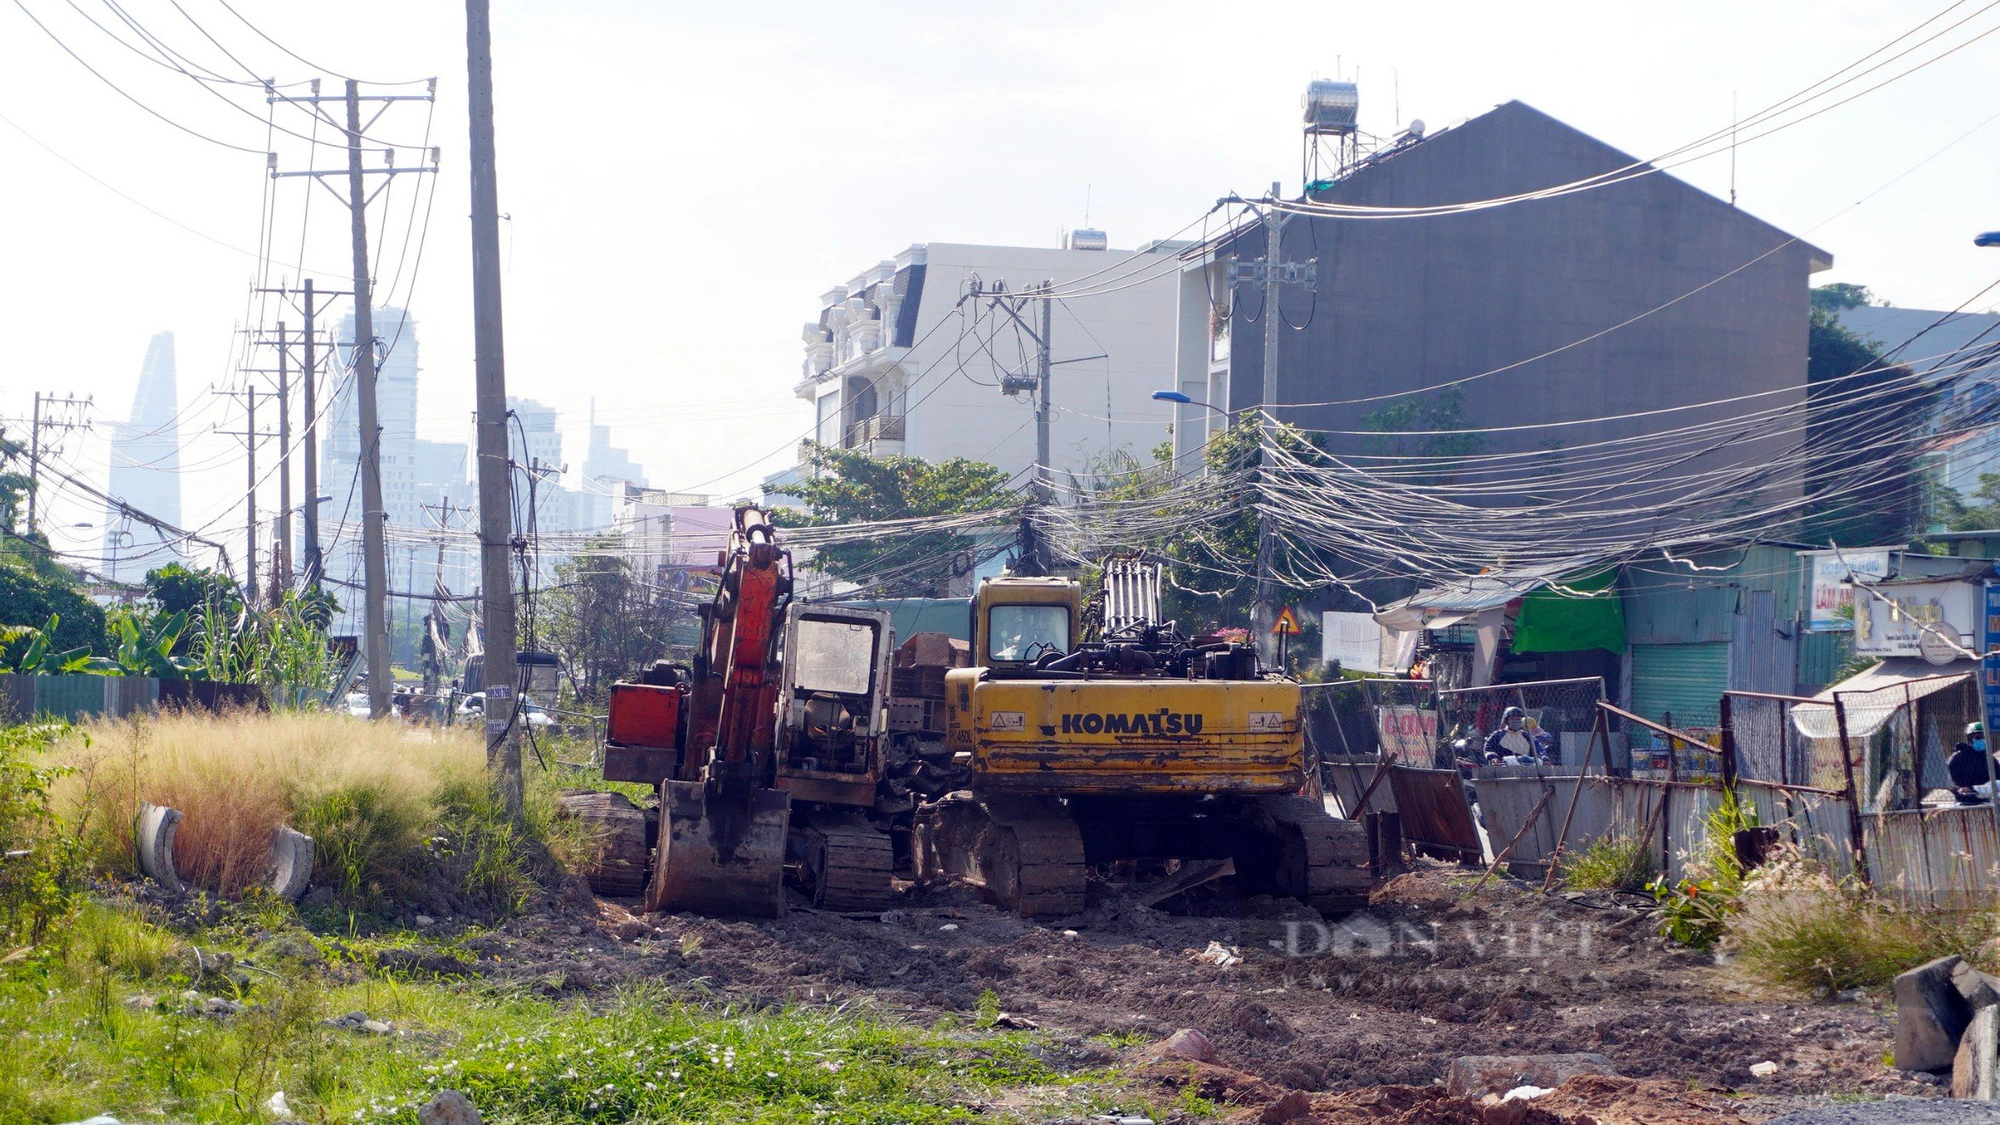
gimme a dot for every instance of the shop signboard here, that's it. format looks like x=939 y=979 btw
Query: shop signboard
x=1912 y=618
x=1832 y=591
x=1989 y=666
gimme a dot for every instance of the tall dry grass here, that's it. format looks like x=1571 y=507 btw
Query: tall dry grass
x=1799 y=928
x=362 y=789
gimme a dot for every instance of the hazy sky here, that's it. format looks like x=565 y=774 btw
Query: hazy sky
x=684 y=180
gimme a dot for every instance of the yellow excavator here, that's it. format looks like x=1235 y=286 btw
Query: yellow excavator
x=1143 y=745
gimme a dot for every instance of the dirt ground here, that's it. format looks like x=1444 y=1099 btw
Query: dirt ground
x=1361 y=1017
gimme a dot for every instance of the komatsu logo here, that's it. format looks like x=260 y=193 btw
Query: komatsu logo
x=1163 y=721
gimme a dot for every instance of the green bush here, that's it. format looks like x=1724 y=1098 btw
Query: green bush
x=1617 y=862
x=41 y=857
x=367 y=838
x=1797 y=928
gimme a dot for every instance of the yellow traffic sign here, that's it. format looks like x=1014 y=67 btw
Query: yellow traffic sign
x=1287 y=624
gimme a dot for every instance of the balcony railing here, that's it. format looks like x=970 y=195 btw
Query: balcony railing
x=881 y=427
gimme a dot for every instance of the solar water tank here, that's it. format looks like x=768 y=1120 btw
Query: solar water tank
x=1331 y=106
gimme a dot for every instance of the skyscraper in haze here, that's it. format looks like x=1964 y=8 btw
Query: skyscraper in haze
x=146 y=470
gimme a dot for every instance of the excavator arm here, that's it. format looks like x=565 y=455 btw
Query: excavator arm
x=722 y=831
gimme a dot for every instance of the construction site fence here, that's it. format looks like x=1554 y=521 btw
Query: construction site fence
x=75 y=698
x=1559 y=714
x=1855 y=779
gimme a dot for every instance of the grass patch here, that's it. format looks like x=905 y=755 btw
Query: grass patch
x=1798 y=929
x=400 y=815
x=1617 y=862
x=77 y=1049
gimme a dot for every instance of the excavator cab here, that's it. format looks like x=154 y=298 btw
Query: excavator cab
x=832 y=716
x=1019 y=621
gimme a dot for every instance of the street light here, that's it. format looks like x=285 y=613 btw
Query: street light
x=1178 y=397
x=1990 y=238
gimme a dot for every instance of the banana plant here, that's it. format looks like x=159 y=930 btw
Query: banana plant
x=39 y=657
x=148 y=649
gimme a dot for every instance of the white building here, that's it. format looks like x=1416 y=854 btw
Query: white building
x=1958 y=355
x=897 y=363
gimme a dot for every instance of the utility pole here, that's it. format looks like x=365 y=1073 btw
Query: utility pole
x=375 y=564
x=251 y=437
x=441 y=514
x=1273 y=273
x=503 y=747
x=1038 y=384
x=62 y=416
x=309 y=305
x=1043 y=480
x=281 y=546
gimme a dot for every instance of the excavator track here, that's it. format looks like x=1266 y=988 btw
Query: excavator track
x=848 y=864
x=1025 y=854
x=1322 y=859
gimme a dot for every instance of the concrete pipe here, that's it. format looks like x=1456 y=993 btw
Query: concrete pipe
x=291 y=862
x=157 y=825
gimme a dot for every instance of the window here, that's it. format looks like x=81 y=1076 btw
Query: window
x=836 y=656
x=1026 y=632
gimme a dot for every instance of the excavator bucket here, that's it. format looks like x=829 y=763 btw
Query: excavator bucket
x=720 y=855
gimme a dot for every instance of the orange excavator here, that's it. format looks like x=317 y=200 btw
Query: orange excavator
x=767 y=751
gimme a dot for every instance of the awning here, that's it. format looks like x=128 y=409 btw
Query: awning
x=1584 y=611
x=1870 y=698
x=1439 y=606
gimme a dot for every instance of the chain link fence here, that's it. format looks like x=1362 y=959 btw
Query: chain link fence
x=1560 y=714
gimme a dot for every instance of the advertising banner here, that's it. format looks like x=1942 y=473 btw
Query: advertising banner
x=1913 y=618
x=1831 y=591
x=1410 y=733
x=1354 y=639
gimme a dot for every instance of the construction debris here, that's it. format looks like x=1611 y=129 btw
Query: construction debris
x=1478 y=1075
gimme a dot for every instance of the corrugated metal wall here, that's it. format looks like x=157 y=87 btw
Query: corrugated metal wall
x=1684 y=680
x=1820 y=658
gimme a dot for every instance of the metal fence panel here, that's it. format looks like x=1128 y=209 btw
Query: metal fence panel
x=1941 y=856
x=1437 y=821
x=1817 y=824
x=1346 y=776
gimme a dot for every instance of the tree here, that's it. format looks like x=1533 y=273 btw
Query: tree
x=1863 y=482
x=175 y=588
x=1422 y=427
x=848 y=486
x=1842 y=295
x=605 y=623
x=30 y=595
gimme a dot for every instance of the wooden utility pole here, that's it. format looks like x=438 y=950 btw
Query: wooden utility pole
x=503 y=747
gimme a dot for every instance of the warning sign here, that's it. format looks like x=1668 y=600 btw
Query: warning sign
x=1287 y=624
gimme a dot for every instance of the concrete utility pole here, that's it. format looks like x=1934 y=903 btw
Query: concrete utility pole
x=250 y=437
x=1038 y=383
x=1264 y=611
x=503 y=747
x=281 y=546
x=1273 y=272
x=1043 y=478
x=375 y=565
x=308 y=340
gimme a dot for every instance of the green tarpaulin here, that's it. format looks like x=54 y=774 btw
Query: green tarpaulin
x=1580 y=612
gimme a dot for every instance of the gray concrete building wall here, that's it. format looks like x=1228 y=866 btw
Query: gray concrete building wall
x=1622 y=299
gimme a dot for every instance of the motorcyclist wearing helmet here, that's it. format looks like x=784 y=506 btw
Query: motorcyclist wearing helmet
x=1970 y=766
x=1512 y=743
